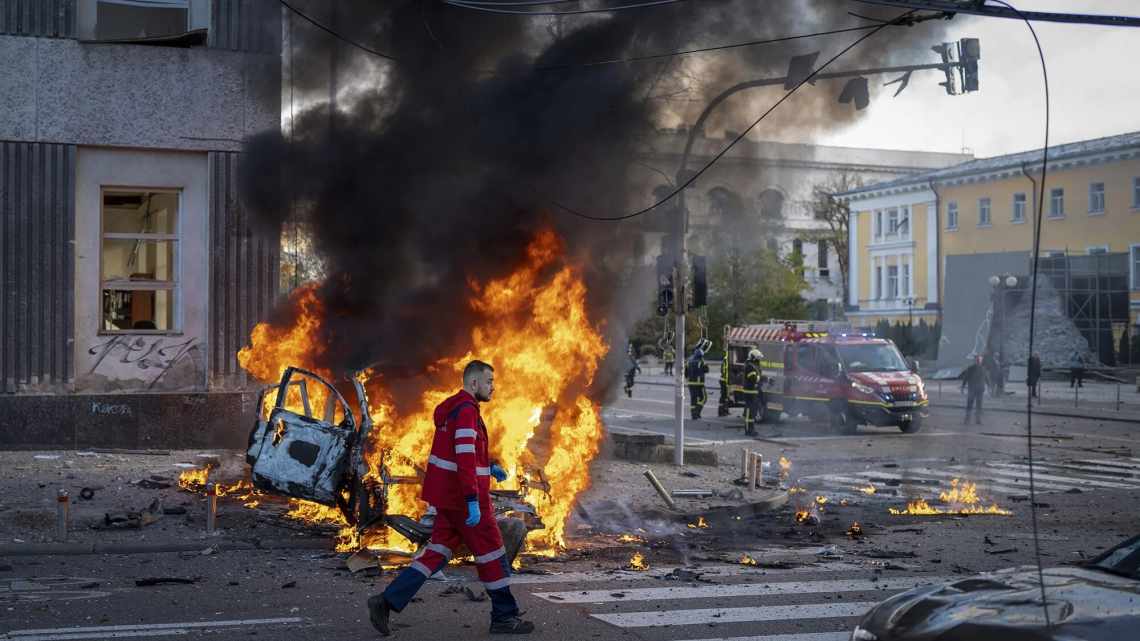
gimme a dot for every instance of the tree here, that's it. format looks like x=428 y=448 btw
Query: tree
x=752 y=286
x=835 y=213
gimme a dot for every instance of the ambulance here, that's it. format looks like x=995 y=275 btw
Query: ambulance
x=827 y=371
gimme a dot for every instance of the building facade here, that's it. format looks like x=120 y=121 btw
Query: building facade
x=926 y=246
x=131 y=274
x=772 y=183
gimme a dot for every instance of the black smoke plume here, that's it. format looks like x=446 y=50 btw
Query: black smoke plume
x=439 y=167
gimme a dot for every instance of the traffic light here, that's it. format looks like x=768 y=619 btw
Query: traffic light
x=664 y=285
x=700 y=282
x=969 y=53
x=856 y=91
x=946 y=51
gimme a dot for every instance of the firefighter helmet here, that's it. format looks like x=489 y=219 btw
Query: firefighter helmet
x=755 y=354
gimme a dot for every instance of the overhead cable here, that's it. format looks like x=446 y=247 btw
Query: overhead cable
x=981 y=9
x=487 y=9
x=1033 y=310
x=691 y=179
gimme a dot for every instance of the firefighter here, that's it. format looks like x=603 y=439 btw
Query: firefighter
x=457 y=483
x=753 y=395
x=633 y=370
x=695 y=371
x=724 y=403
x=668 y=357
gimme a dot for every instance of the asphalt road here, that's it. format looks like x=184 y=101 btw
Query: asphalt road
x=1089 y=486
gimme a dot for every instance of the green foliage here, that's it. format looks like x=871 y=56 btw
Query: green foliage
x=752 y=287
x=919 y=340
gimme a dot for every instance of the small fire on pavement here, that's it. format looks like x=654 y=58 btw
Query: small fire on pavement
x=637 y=563
x=962 y=498
x=796 y=490
x=855 y=530
x=700 y=524
x=868 y=489
x=785 y=467
x=746 y=559
x=821 y=501
x=630 y=538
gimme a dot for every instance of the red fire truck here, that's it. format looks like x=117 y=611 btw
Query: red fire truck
x=827 y=370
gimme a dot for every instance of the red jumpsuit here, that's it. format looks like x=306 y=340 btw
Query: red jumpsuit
x=459 y=470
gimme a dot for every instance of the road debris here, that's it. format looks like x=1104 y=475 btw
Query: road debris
x=133 y=520
x=163 y=580
x=660 y=489
x=87 y=494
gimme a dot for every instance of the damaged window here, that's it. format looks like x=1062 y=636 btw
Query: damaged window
x=167 y=22
x=139 y=260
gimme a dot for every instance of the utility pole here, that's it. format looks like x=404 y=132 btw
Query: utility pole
x=968 y=52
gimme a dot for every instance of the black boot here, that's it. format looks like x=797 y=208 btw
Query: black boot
x=513 y=625
x=378 y=612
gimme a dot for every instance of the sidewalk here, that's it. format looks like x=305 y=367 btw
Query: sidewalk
x=120 y=483
x=1097 y=399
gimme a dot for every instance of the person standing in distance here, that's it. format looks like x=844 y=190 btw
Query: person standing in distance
x=458 y=485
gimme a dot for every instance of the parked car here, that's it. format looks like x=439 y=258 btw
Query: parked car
x=1098 y=600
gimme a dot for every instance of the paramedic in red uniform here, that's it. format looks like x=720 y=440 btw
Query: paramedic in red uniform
x=458 y=483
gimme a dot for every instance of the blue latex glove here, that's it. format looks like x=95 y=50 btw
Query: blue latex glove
x=473 y=514
x=499 y=473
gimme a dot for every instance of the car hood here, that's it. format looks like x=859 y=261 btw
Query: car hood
x=884 y=379
x=1084 y=604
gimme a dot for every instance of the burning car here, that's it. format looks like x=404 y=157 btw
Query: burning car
x=1095 y=601
x=295 y=452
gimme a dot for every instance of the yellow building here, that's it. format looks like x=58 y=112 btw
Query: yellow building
x=904 y=233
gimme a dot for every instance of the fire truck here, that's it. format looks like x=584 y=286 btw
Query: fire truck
x=829 y=371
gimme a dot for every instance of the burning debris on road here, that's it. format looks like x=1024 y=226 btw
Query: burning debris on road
x=961 y=499
x=637 y=563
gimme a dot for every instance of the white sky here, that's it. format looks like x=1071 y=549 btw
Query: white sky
x=1093 y=78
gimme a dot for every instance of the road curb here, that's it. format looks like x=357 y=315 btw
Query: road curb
x=1037 y=412
x=79 y=549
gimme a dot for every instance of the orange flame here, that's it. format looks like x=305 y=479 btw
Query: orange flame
x=746 y=559
x=700 y=524
x=637 y=562
x=868 y=489
x=855 y=530
x=545 y=349
x=630 y=538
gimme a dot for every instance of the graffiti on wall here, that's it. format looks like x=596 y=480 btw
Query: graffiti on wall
x=153 y=356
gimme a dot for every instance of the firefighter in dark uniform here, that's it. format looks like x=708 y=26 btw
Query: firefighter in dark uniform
x=725 y=401
x=667 y=358
x=753 y=395
x=633 y=369
x=695 y=371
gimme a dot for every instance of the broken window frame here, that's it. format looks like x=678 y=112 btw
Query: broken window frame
x=172 y=285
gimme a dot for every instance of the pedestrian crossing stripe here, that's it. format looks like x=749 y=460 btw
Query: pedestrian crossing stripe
x=1010 y=478
x=750 y=614
x=731 y=590
x=808 y=636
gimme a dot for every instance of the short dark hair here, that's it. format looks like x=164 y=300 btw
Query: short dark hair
x=476 y=367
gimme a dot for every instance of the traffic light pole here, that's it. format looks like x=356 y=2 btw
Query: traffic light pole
x=679 y=372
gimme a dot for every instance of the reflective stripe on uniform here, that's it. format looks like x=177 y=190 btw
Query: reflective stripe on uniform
x=497 y=585
x=440 y=549
x=440 y=463
x=483 y=471
x=490 y=556
x=465 y=449
x=466 y=433
x=421 y=568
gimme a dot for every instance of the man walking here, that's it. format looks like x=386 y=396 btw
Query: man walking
x=457 y=484
x=753 y=395
x=1033 y=375
x=631 y=372
x=695 y=371
x=974 y=380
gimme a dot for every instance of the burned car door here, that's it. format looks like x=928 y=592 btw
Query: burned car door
x=297 y=454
